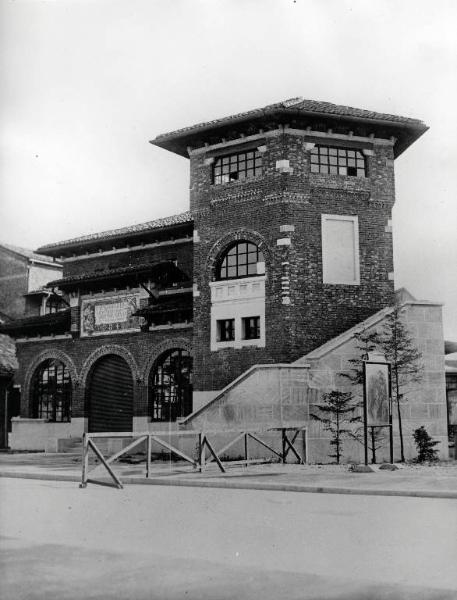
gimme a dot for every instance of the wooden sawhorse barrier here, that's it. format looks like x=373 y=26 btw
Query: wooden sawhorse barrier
x=288 y=437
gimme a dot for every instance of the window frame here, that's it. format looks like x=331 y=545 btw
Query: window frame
x=225 y=330
x=53 y=305
x=223 y=264
x=52 y=402
x=170 y=394
x=326 y=278
x=246 y=327
x=227 y=168
x=334 y=160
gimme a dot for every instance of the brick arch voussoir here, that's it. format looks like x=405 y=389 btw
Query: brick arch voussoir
x=103 y=351
x=178 y=342
x=55 y=354
x=224 y=242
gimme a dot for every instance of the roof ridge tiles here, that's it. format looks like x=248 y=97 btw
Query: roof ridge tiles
x=292 y=104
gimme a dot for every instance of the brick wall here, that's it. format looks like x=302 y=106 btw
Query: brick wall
x=316 y=312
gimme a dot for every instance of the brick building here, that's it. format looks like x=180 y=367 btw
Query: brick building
x=239 y=312
x=23 y=275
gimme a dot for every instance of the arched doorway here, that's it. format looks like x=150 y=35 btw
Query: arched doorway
x=110 y=395
x=170 y=386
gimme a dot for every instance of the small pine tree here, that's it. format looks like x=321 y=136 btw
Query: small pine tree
x=336 y=415
x=425 y=445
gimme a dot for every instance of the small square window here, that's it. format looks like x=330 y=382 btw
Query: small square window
x=226 y=330
x=251 y=328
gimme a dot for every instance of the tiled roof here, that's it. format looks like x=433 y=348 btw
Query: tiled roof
x=293 y=105
x=167 y=266
x=123 y=231
x=29 y=254
x=53 y=323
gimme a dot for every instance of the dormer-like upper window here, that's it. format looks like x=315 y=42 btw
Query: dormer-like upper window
x=241 y=260
x=243 y=165
x=54 y=304
x=338 y=161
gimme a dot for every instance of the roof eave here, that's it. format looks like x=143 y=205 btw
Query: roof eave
x=65 y=247
x=167 y=140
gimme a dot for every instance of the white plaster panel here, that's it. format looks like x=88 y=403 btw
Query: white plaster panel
x=237 y=299
x=340 y=250
x=39 y=276
x=36 y=434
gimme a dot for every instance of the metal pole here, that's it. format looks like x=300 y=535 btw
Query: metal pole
x=391 y=427
x=148 y=456
x=85 y=461
x=373 y=448
x=201 y=452
x=305 y=446
x=246 y=449
x=365 y=415
x=6 y=417
x=391 y=433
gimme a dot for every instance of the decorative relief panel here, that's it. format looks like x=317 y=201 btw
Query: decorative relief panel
x=109 y=314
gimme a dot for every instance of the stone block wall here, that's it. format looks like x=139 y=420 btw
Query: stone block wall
x=425 y=402
x=264 y=397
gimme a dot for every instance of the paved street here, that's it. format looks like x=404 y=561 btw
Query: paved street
x=59 y=541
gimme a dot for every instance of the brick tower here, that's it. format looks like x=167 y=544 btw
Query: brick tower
x=292 y=209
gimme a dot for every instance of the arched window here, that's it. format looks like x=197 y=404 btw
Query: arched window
x=240 y=260
x=51 y=390
x=53 y=305
x=170 y=386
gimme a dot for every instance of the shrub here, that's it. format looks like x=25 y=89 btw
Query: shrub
x=425 y=446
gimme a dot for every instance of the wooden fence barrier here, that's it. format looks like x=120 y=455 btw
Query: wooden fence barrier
x=203 y=444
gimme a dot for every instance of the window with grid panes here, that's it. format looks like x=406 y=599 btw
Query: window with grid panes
x=226 y=330
x=52 y=391
x=240 y=260
x=235 y=167
x=170 y=387
x=338 y=161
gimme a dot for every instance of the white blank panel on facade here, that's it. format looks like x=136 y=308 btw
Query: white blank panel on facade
x=340 y=250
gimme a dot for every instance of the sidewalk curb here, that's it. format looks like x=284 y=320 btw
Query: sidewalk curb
x=237 y=485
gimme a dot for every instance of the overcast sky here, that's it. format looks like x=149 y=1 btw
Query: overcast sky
x=86 y=83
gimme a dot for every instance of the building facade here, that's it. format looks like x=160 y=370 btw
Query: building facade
x=23 y=277
x=287 y=246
